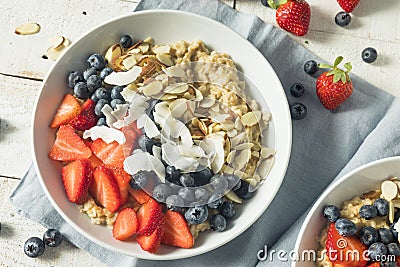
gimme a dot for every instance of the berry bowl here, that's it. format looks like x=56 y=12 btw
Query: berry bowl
x=357 y=214
x=57 y=173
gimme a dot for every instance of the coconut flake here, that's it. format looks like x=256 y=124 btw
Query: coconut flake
x=128 y=94
x=108 y=135
x=149 y=126
x=107 y=111
x=218 y=143
x=120 y=111
x=143 y=161
x=124 y=77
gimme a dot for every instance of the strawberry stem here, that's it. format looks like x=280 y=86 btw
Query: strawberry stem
x=272 y=4
x=338 y=74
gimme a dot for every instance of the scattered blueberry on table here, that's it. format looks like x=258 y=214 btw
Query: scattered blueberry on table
x=298 y=110
x=342 y=19
x=311 y=67
x=52 y=238
x=297 y=90
x=369 y=54
x=34 y=247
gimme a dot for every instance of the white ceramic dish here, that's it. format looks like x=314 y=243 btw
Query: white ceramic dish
x=164 y=27
x=357 y=182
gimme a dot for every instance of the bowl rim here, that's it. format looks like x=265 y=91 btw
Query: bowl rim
x=331 y=188
x=286 y=151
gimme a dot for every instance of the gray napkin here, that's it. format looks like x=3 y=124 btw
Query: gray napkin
x=326 y=145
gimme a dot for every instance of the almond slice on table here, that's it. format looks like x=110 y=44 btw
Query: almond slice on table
x=27 y=29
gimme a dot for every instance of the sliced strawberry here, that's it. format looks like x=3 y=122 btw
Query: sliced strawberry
x=122 y=179
x=86 y=118
x=176 y=231
x=126 y=224
x=375 y=264
x=131 y=135
x=76 y=177
x=104 y=189
x=68 y=146
x=150 y=217
x=110 y=154
x=337 y=247
x=139 y=195
x=68 y=109
x=150 y=243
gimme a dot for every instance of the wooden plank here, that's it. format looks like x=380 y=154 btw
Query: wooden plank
x=17 y=229
x=17 y=97
x=327 y=40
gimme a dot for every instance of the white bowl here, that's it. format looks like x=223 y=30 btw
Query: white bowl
x=164 y=27
x=363 y=179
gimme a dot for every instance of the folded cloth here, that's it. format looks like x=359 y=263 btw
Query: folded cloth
x=326 y=144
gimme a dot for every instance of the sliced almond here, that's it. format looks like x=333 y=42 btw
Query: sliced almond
x=265 y=167
x=238 y=124
x=178 y=107
x=27 y=29
x=113 y=52
x=57 y=42
x=203 y=127
x=208 y=101
x=267 y=152
x=232 y=196
x=148 y=40
x=165 y=59
x=168 y=97
x=251 y=118
x=176 y=88
x=242 y=158
x=132 y=51
x=129 y=61
x=148 y=69
x=391 y=212
x=144 y=47
x=175 y=71
x=228 y=125
x=152 y=88
x=389 y=190
x=163 y=49
x=53 y=54
x=243 y=146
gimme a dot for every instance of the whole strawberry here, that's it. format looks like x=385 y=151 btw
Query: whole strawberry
x=348 y=5
x=334 y=86
x=292 y=15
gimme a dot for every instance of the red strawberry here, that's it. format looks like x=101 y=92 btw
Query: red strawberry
x=375 y=264
x=131 y=135
x=348 y=5
x=68 y=146
x=68 y=109
x=76 y=177
x=334 y=86
x=139 y=195
x=338 y=249
x=111 y=154
x=150 y=243
x=294 y=16
x=104 y=189
x=176 y=231
x=126 y=224
x=149 y=216
x=86 y=118
x=122 y=179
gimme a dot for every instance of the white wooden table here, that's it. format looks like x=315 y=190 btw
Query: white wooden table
x=22 y=69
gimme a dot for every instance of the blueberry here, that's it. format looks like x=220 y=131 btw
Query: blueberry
x=172 y=175
x=52 y=238
x=243 y=191
x=382 y=206
x=186 y=180
x=89 y=72
x=146 y=144
x=342 y=19
x=94 y=98
x=196 y=214
x=311 y=67
x=369 y=235
x=139 y=180
x=386 y=236
x=161 y=192
x=331 y=213
x=369 y=54
x=74 y=77
x=393 y=249
x=96 y=61
x=99 y=106
x=233 y=181
x=102 y=122
x=297 y=90
x=174 y=202
x=34 y=247
x=218 y=223
x=116 y=92
x=102 y=93
x=202 y=177
x=265 y=3
x=237 y=185
x=227 y=209
x=345 y=227
x=214 y=202
x=201 y=194
x=105 y=72
x=81 y=91
x=125 y=41
x=94 y=82
x=187 y=194
x=116 y=102
x=368 y=212
x=394 y=232
x=376 y=251
x=297 y=110
x=219 y=183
